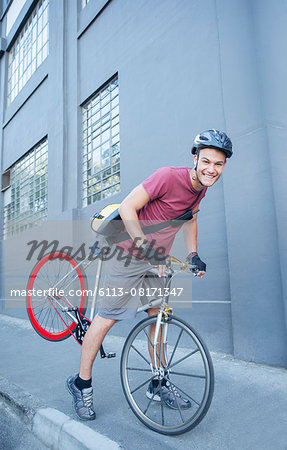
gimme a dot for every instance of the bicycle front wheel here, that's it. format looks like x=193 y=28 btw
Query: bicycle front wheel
x=185 y=386
x=55 y=284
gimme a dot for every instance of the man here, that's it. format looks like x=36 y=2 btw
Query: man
x=166 y=194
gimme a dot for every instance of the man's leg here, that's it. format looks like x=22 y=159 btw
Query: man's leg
x=164 y=391
x=80 y=386
x=160 y=352
x=91 y=344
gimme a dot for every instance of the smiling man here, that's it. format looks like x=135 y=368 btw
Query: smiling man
x=163 y=196
x=210 y=150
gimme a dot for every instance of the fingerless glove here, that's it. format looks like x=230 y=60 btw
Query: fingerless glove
x=195 y=260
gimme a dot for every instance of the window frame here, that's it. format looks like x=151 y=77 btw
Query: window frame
x=27 y=191
x=29 y=50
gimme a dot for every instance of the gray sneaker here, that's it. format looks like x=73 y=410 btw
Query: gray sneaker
x=82 y=399
x=168 y=394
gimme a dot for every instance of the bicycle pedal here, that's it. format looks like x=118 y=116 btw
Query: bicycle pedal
x=111 y=355
x=69 y=308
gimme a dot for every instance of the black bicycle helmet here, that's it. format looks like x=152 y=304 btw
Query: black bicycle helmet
x=213 y=138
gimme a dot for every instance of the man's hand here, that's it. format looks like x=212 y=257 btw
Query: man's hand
x=200 y=274
x=161 y=270
x=194 y=260
x=154 y=257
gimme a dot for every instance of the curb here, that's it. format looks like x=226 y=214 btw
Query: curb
x=52 y=427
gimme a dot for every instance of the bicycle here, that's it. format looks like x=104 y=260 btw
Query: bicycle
x=176 y=355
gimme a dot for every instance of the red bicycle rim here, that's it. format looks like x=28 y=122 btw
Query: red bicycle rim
x=47 y=334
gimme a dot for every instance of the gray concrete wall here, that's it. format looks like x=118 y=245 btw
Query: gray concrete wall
x=255 y=279
x=183 y=66
x=271 y=37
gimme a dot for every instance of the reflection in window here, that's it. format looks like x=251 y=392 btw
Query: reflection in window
x=101 y=145
x=29 y=51
x=84 y=3
x=28 y=191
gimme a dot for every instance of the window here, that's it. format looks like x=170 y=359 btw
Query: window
x=84 y=3
x=101 y=144
x=29 y=51
x=25 y=198
x=13 y=12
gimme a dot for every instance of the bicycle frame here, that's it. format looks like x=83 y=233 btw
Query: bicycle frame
x=162 y=303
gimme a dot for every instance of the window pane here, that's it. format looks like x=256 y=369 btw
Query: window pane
x=101 y=139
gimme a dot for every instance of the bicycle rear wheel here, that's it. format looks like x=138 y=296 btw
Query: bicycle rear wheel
x=186 y=369
x=55 y=284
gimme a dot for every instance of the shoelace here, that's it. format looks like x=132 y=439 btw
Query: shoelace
x=88 y=399
x=172 y=389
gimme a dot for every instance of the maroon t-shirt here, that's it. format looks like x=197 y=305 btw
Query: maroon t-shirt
x=171 y=194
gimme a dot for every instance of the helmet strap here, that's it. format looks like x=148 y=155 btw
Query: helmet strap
x=197 y=154
x=195 y=169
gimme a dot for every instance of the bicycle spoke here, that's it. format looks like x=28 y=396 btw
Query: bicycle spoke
x=143 y=357
x=47 y=280
x=42 y=305
x=52 y=309
x=136 y=368
x=141 y=385
x=180 y=390
x=161 y=403
x=50 y=317
x=152 y=345
x=189 y=375
x=40 y=312
x=182 y=359
x=53 y=328
x=58 y=323
x=149 y=403
x=175 y=397
x=46 y=314
x=175 y=347
x=65 y=300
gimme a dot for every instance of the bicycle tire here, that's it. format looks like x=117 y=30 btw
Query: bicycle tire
x=137 y=400
x=55 y=325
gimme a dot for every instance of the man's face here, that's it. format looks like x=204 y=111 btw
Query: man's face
x=210 y=165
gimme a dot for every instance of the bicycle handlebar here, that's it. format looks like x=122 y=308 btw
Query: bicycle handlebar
x=170 y=270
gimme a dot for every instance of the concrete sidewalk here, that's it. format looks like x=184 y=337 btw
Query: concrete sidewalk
x=248 y=411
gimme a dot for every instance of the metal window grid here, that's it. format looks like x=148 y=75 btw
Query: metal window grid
x=29 y=51
x=101 y=145
x=29 y=191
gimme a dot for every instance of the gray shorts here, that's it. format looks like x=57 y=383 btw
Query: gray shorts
x=127 y=283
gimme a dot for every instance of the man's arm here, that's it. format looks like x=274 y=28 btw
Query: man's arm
x=190 y=233
x=136 y=200
x=128 y=212
x=190 y=237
